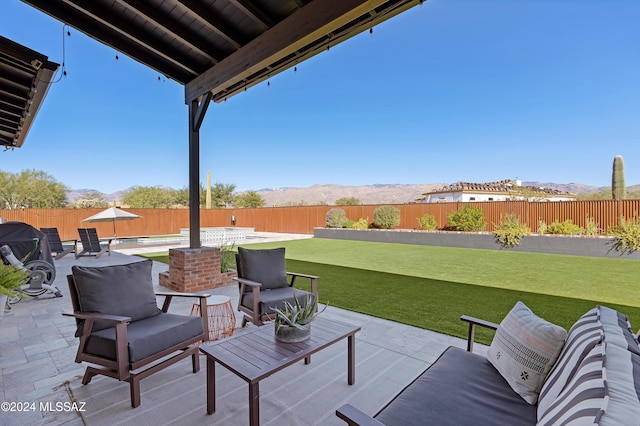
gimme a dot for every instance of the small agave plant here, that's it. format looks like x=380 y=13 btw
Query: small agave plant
x=295 y=315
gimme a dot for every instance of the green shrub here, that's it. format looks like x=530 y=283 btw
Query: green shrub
x=467 y=219
x=510 y=230
x=427 y=222
x=542 y=227
x=347 y=201
x=336 y=218
x=361 y=224
x=564 y=228
x=627 y=235
x=592 y=227
x=386 y=217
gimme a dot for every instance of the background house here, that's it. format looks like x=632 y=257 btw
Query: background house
x=505 y=190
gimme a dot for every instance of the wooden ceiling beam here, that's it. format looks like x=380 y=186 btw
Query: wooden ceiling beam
x=125 y=29
x=173 y=27
x=254 y=12
x=11 y=101
x=365 y=22
x=214 y=22
x=105 y=34
x=314 y=21
x=301 y=3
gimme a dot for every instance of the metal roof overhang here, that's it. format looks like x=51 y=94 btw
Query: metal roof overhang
x=25 y=77
x=218 y=48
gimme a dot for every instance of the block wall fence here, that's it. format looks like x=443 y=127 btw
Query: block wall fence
x=303 y=219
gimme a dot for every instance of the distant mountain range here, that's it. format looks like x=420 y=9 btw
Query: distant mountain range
x=380 y=193
x=366 y=194
x=74 y=194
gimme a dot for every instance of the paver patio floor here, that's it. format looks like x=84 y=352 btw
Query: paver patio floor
x=37 y=366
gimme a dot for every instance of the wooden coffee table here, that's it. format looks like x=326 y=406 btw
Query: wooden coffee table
x=257 y=354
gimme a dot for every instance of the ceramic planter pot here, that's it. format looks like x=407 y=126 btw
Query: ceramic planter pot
x=288 y=334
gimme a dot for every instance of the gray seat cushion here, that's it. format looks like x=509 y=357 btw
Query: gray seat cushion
x=460 y=388
x=275 y=299
x=267 y=267
x=125 y=290
x=147 y=336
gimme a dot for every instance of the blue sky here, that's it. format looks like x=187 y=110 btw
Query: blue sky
x=453 y=90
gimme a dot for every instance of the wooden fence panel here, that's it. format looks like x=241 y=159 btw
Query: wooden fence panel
x=302 y=219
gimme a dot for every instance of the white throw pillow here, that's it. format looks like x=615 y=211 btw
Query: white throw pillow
x=524 y=349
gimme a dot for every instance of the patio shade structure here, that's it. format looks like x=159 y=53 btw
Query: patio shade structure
x=219 y=48
x=112 y=214
x=25 y=78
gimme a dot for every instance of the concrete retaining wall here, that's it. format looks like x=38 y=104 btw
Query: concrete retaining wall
x=552 y=244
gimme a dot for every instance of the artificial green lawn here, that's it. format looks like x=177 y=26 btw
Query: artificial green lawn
x=430 y=287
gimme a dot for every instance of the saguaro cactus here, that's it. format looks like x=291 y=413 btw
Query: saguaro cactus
x=618 y=188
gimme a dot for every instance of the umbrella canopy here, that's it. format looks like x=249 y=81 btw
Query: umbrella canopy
x=112 y=214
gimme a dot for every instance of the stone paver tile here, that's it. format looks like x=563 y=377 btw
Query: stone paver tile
x=32 y=371
x=8 y=333
x=48 y=345
x=11 y=358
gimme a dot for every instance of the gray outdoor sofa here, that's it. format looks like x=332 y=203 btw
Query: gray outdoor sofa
x=593 y=379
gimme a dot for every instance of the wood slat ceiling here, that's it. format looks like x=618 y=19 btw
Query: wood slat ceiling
x=25 y=77
x=221 y=47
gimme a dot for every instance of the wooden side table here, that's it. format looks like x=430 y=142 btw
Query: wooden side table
x=222 y=319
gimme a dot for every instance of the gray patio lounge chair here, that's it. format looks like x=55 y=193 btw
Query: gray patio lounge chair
x=263 y=284
x=55 y=243
x=91 y=245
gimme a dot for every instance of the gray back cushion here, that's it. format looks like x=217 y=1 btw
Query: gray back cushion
x=125 y=290
x=267 y=267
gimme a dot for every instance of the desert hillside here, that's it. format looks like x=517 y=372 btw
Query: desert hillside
x=366 y=194
x=379 y=194
x=328 y=194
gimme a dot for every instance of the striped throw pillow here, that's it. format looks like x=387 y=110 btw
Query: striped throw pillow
x=582 y=401
x=583 y=336
x=605 y=391
x=617 y=329
x=524 y=349
x=622 y=377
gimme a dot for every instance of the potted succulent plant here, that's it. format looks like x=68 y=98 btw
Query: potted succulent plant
x=10 y=279
x=293 y=323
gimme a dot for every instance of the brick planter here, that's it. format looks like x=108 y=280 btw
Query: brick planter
x=195 y=270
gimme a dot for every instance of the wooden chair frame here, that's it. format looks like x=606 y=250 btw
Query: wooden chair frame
x=122 y=369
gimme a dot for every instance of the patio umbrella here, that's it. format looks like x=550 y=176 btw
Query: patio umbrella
x=111 y=214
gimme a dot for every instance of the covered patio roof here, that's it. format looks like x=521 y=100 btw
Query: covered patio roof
x=221 y=47
x=218 y=48
x=25 y=77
